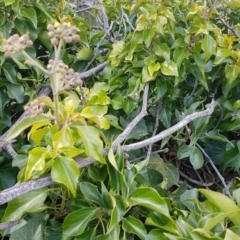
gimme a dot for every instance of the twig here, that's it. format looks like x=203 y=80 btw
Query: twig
x=6 y=225
x=96 y=50
x=135 y=121
x=232 y=29
x=189 y=118
x=195 y=181
x=104 y=16
x=8 y=148
x=16 y=191
x=159 y=106
x=216 y=170
x=86 y=9
x=164 y=150
x=193 y=91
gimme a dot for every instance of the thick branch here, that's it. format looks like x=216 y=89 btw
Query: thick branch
x=9 y=194
x=135 y=121
x=209 y=110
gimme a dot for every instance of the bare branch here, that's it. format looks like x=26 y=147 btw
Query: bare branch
x=135 y=121
x=189 y=118
x=226 y=188
x=231 y=28
x=6 y=225
x=9 y=194
x=104 y=16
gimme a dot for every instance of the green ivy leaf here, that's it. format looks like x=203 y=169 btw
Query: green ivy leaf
x=163 y=50
x=9 y=2
x=208 y=46
x=30 y=230
x=179 y=54
x=15 y=91
x=117 y=213
x=24 y=124
x=167 y=170
x=76 y=222
x=161 y=221
x=65 y=170
x=115 y=175
x=31 y=14
x=135 y=226
x=30 y=202
x=149 y=197
x=169 y=69
x=91 y=192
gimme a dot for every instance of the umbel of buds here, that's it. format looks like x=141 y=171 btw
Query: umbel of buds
x=34 y=108
x=67 y=74
x=64 y=31
x=17 y=44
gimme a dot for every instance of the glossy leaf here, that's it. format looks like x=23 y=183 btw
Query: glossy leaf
x=134 y=226
x=222 y=202
x=169 y=69
x=31 y=230
x=221 y=55
x=76 y=222
x=117 y=213
x=231 y=73
x=208 y=46
x=92 y=142
x=30 y=202
x=149 y=197
x=91 y=192
x=36 y=161
x=65 y=171
x=24 y=124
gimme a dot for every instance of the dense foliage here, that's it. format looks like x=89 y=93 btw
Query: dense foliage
x=97 y=134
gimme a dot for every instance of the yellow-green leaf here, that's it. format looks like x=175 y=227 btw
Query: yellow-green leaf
x=36 y=161
x=163 y=50
x=85 y=54
x=30 y=202
x=231 y=73
x=71 y=151
x=221 y=55
x=63 y=138
x=65 y=170
x=92 y=142
x=208 y=46
x=169 y=69
x=224 y=203
x=153 y=69
x=179 y=54
x=24 y=124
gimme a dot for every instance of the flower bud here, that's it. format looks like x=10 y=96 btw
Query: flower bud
x=54 y=41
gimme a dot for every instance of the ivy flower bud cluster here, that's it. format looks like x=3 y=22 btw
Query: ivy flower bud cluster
x=34 y=108
x=64 y=31
x=67 y=74
x=17 y=44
